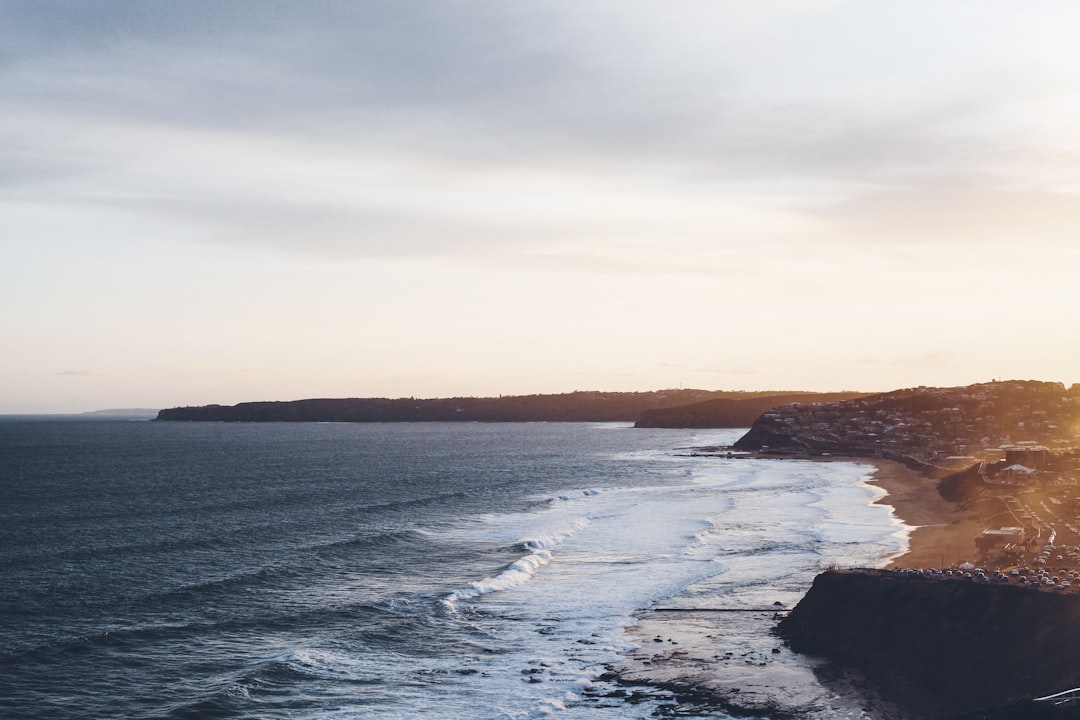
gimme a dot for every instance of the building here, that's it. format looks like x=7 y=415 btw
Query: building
x=1036 y=457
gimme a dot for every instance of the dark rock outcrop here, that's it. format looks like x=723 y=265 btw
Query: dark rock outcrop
x=944 y=646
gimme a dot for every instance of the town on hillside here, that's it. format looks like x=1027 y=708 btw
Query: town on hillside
x=1005 y=450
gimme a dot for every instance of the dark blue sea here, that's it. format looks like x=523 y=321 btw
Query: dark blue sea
x=208 y=570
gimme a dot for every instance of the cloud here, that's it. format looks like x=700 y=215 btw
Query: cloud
x=497 y=83
x=481 y=130
x=966 y=215
x=738 y=370
x=374 y=176
x=928 y=360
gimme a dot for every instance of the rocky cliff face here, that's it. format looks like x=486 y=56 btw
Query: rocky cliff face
x=946 y=646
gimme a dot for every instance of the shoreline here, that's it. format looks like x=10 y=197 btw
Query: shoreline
x=682 y=653
x=939 y=533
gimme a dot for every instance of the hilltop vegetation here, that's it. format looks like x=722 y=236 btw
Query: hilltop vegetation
x=725 y=412
x=565 y=407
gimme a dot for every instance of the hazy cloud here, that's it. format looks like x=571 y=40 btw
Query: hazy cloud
x=379 y=129
x=965 y=215
x=716 y=370
x=389 y=179
x=930 y=359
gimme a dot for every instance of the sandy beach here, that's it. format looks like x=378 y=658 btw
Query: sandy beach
x=941 y=533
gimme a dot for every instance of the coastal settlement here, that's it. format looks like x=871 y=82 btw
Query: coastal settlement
x=998 y=460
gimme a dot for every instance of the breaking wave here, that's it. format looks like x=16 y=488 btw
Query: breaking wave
x=522 y=570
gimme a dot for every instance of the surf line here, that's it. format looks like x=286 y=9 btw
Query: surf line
x=719 y=610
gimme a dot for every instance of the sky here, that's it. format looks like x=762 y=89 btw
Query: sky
x=208 y=202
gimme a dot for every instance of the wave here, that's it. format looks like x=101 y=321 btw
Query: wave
x=410 y=536
x=433 y=500
x=323 y=664
x=546 y=541
x=272 y=574
x=319 y=676
x=521 y=570
x=277 y=684
x=218 y=542
x=251 y=622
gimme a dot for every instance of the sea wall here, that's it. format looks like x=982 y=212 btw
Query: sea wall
x=947 y=645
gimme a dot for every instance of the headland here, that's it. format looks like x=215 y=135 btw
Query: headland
x=976 y=619
x=979 y=616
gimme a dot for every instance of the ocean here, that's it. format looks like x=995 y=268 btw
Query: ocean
x=431 y=570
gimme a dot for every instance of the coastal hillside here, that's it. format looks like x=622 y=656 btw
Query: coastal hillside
x=728 y=412
x=573 y=407
x=945 y=646
x=925 y=426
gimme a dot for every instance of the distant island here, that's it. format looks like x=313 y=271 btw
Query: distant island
x=730 y=409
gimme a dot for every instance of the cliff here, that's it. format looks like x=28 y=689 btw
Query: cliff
x=944 y=646
x=730 y=412
x=566 y=407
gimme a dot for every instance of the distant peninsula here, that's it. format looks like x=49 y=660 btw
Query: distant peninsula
x=733 y=409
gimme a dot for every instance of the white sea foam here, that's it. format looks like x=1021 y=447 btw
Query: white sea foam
x=520 y=571
x=549 y=539
x=749 y=532
x=523 y=569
